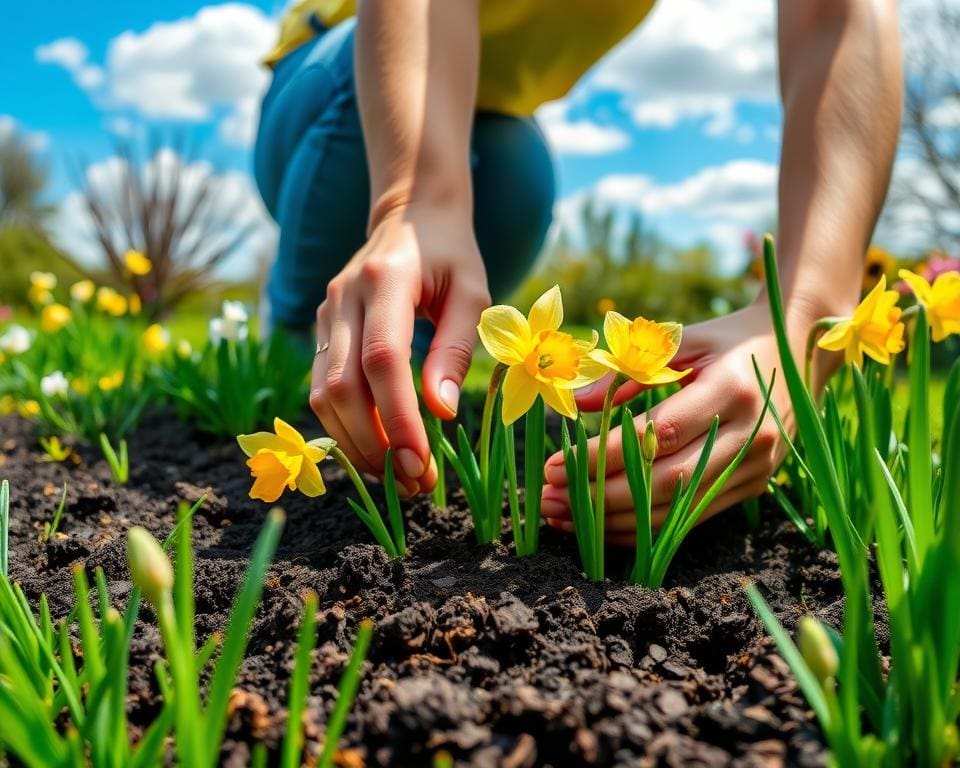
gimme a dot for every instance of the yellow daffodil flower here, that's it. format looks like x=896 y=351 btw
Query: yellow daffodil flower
x=137 y=263
x=878 y=263
x=184 y=348
x=111 y=302
x=283 y=459
x=942 y=300
x=540 y=359
x=875 y=329
x=46 y=281
x=54 y=317
x=108 y=383
x=156 y=338
x=605 y=305
x=136 y=305
x=7 y=405
x=30 y=408
x=80 y=385
x=82 y=291
x=640 y=349
x=39 y=295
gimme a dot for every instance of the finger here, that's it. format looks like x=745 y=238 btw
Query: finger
x=591 y=397
x=678 y=420
x=619 y=504
x=452 y=349
x=385 y=360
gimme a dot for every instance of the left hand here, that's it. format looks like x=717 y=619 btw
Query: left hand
x=723 y=383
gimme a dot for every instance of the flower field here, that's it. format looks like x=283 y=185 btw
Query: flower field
x=191 y=572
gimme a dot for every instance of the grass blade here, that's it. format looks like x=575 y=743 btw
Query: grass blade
x=346 y=693
x=293 y=738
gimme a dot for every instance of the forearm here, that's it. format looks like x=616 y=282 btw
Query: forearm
x=841 y=82
x=416 y=69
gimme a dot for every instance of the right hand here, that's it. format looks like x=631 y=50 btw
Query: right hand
x=417 y=261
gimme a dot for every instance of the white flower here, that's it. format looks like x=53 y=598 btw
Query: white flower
x=54 y=385
x=231 y=325
x=16 y=340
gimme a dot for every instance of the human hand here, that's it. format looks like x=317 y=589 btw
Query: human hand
x=722 y=384
x=417 y=261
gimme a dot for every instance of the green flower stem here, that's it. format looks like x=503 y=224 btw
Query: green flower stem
x=495 y=378
x=375 y=519
x=819 y=327
x=598 y=510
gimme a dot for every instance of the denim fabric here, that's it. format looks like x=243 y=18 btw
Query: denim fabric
x=311 y=169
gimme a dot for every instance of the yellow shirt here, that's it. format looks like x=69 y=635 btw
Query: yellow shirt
x=531 y=51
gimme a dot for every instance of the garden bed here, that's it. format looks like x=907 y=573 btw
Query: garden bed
x=501 y=661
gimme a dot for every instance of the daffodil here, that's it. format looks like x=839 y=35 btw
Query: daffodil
x=41 y=287
x=135 y=303
x=283 y=459
x=231 y=325
x=111 y=302
x=184 y=349
x=110 y=382
x=540 y=359
x=15 y=340
x=874 y=330
x=54 y=317
x=605 y=305
x=640 y=349
x=137 y=263
x=30 y=408
x=941 y=299
x=82 y=291
x=7 y=405
x=156 y=338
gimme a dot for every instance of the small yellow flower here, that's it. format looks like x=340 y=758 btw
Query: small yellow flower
x=137 y=263
x=82 y=291
x=156 y=338
x=111 y=302
x=30 y=408
x=875 y=329
x=135 y=304
x=111 y=382
x=605 y=305
x=878 y=263
x=184 y=349
x=540 y=359
x=46 y=281
x=39 y=295
x=80 y=385
x=54 y=450
x=942 y=300
x=7 y=405
x=283 y=459
x=54 y=317
x=640 y=349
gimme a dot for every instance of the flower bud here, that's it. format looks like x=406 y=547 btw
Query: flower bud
x=648 y=446
x=817 y=648
x=149 y=566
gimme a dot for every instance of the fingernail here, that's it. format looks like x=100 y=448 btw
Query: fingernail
x=555 y=474
x=449 y=393
x=411 y=464
x=591 y=388
x=556 y=460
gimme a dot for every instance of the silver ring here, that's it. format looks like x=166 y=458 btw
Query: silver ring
x=321 y=347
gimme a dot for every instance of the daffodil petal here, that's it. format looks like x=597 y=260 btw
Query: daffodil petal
x=289 y=434
x=561 y=400
x=310 y=481
x=260 y=441
x=664 y=376
x=546 y=314
x=616 y=332
x=675 y=332
x=836 y=338
x=603 y=359
x=918 y=284
x=519 y=393
x=505 y=334
x=273 y=471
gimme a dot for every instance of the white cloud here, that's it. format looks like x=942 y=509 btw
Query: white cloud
x=189 y=68
x=239 y=128
x=72 y=55
x=717 y=204
x=694 y=60
x=578 y=137
x=237 y=201
x=37 y=141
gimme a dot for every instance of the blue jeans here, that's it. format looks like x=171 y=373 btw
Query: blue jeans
x=311 y=169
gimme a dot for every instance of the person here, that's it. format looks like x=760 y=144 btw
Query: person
x=398 y=153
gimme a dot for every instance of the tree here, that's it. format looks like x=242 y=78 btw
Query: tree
x=22 y=181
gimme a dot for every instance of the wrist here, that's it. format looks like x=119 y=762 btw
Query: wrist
x=435 y=200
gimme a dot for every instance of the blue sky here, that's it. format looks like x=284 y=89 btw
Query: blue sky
x=680 y=122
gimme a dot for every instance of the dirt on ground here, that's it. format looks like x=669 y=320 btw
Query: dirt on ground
x=500 y=661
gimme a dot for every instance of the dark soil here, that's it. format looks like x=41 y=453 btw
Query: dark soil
x=501 y=661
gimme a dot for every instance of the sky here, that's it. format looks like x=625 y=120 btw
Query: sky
x=681 y=121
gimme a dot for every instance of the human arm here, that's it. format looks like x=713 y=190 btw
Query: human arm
x=841 y=85
x=416 y=70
